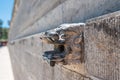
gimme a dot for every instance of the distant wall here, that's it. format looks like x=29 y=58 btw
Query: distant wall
x=35 y=16
x=40 y=15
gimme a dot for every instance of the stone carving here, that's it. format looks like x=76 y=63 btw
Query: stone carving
x=68 y=43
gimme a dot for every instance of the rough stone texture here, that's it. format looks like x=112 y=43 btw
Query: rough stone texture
x=102 y=46
x=68 y=44
x=36 y=16
x=28 y=63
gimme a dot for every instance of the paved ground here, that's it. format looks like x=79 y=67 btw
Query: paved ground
x=5 y=65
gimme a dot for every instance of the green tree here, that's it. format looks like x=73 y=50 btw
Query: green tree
x=3 y=31
x=1 y=23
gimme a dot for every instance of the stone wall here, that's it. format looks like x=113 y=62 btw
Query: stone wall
x=28 y=64
x=102 y=46
x=36 y=16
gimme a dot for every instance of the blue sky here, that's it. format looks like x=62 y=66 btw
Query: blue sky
x=6 y=7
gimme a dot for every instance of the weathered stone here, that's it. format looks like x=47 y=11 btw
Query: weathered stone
x=36 y=16
x=102 y=46
x=68 y=44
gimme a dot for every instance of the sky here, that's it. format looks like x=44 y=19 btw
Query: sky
x=6 y=8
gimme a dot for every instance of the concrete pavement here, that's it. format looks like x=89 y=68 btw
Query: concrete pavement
x=5 y=65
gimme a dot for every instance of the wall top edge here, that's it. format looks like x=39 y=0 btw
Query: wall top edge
x=106 y=16
x=15 y=8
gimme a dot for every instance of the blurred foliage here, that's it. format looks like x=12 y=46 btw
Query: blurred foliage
x=1 y=23
x=3 y=32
